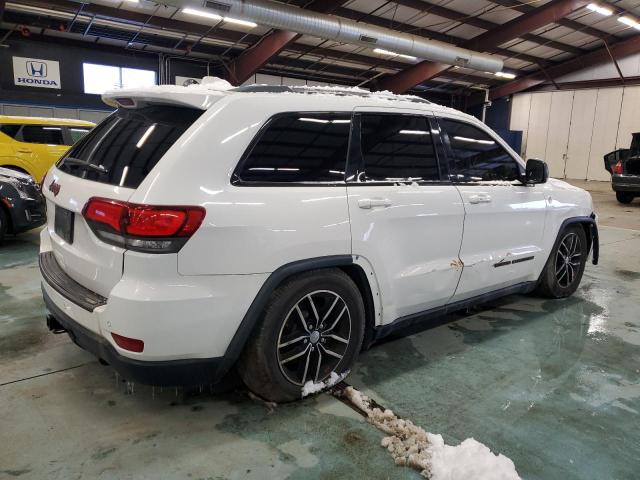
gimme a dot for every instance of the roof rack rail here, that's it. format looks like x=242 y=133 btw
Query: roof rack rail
x=330 y=90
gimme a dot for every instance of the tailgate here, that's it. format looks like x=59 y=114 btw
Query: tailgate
x=89 y=261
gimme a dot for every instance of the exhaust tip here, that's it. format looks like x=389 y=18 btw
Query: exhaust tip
x=54 y=326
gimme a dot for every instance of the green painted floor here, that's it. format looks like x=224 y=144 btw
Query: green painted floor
x=554 y=385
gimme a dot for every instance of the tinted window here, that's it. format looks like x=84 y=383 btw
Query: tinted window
x=10 y=130
x=477 y=156
x=124 y=148
x=50 y=135
x=77 y=133
x=300 y=147
x=397 y=147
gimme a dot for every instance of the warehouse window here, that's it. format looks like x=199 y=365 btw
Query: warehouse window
x=100 y=78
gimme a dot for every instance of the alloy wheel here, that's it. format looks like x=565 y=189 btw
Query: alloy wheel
x=314 y=337
x=568 y=260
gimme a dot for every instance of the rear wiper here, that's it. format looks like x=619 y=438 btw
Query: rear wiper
x=84 y=165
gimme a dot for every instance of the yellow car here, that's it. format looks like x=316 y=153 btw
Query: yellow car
x=31 y=145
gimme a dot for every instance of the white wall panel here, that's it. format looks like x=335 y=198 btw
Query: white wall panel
x=629 y=116
x=580 y=132
x=558 y=132
x=605 y=131
x=41 y=112
x=95 y=116
x=65 y=112
x=538 y=125
x=520 y=106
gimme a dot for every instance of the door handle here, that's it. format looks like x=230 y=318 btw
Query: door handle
x=24 y=151
x=482 y=198
x=374 y=202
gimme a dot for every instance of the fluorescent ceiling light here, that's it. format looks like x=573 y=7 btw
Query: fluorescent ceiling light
x=200 y=13
x=314 y=120
x=594 y=7
x=413 y=132
x=322 y=120
x=473 y=140
x=507 y=75
x=629 y=21
x=387 y=52
x=237 y=21
x=145 y=135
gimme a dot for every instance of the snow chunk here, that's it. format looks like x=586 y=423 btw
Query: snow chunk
x=214 y=83
x=310 y=387
x=470 y=459
x=412 y=446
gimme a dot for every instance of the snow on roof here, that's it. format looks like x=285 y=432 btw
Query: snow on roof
x=211 y=89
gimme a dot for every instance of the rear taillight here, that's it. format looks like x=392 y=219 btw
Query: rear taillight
x=617 y=168
x=145 y=228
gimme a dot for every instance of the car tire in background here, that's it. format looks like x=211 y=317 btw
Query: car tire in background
x=625 y=197
x=565 y=266
x=4 y=223
x=313 y=325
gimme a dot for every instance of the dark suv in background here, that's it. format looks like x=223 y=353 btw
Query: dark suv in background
x=22 y=206
x=624 y=167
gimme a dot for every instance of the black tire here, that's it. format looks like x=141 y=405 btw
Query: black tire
x=4 y=224
x=625 y=197
x=266 y=364
x=561 y=277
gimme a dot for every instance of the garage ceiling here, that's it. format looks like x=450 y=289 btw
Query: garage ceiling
x=573 y=39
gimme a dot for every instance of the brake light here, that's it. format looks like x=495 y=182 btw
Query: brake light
x=617 y=168
x=146 y=228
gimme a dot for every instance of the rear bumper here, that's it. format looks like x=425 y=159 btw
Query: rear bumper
x=161 y=373
x=626 y=183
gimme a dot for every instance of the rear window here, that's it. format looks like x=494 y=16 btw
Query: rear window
x=125 y=147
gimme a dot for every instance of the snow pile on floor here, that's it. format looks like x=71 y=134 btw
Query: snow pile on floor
x=410 y=445
x=311 y=387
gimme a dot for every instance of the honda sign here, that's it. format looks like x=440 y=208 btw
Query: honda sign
x=34 y=72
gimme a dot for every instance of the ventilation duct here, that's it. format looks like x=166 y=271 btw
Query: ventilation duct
x=285 y=17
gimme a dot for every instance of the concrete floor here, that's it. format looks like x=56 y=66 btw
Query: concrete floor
x=554 y=385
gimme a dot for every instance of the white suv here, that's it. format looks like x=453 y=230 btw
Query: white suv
x=281 y=230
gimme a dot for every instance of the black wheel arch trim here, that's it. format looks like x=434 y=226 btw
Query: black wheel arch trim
x=593 y=238
x=253 y=314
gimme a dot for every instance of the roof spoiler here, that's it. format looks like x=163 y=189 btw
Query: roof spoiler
x=127 y=98
x=200 y=96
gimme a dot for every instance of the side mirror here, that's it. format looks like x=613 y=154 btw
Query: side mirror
x=537 y=171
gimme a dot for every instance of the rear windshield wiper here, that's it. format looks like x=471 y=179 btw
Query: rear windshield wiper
x=84 y=165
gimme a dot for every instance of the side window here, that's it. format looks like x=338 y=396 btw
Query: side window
x=11 y=130
x=477 y=156
x=76 y=133
x=397 y=148
x=300 y=147
x=50 y=135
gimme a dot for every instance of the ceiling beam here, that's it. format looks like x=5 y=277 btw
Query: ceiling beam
x=251 y=60
x=478 y=22
x=620 y=49
x=565 y=22
x=516 y=28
